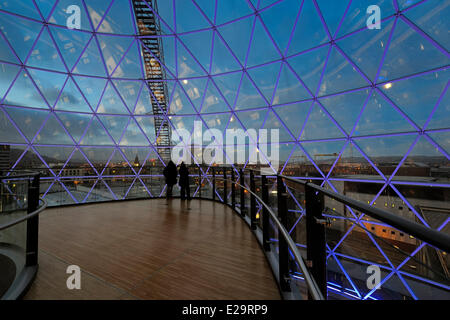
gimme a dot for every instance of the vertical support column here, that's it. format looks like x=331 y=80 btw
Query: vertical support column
x=283 y=249
x=252 y=201
x=225 y=186
x=315 y=238
x=32 y=223
x=241 y=181
x=214 y=183
x=265 y=213
x=199 y=182
x=233 y=190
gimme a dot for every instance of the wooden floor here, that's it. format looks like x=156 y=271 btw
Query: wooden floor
x=152 y=249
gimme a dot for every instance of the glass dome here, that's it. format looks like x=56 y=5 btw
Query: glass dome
x=98 y=102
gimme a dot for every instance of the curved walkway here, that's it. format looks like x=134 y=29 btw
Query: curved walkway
x=151 y=249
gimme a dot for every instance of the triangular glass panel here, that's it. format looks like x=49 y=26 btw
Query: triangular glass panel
x=118 y=19
x=265 y=78
x=7 y=74
x=111 y=102
x=53 y=133
x=96 y=135
x=136 y=156
x=249 y=96
x=442 y=138
x=131 y=66
x=144 y=104
x=136 y=190
x=6 y=54
x=168 y=61
x=29 y=121
x=148 y=126
x=297 y=163
x=440 y=118
x=368 y=56
x=273 y=122
x=217 y=121
x=340 y=75
x=231 y=9
x=92 y=89
x=24 y=8
x=222 y=59
x=200 y=44
x=115 y=125
x=318 y=120
x=24 y=93
x=228 y=84
x=309 y=31
x=91 y=62
x=261 y=42
x=49 y=83
x=195 y=89
x=133 y=136
x=180 y=103
x=188 y=17
x=433 y=23
x=113 y=49
x=45 y=55
x=118 y=161
x=386 y=152
x=418 y=96
x=293 y=116
x=309 y=66
x=55 y=158
x=345 y=108
x=20 y=33
x=324 y=154
x=410 y=53
x=59 y=15
x=75 y=123
x=186 y=63
x=289 y=88
x=97 y=11
x=352 y=161
x=237 y=36
x=129 y=91
x=213 y=101
x=356 y=17
x=99 y=192
x=253 y=119
x=285 y=11
x=332 y=12
x=71 y=43
x=380 y=117
x=98 y=157
x=76 y=165
x=31 y=160
x=71 y=99
x=9 y=132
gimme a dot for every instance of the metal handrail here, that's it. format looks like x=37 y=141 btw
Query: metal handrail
x=24 y=218
x=311 y=283
x=31 y=174
x=435 y=238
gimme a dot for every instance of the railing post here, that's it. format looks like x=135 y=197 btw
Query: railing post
x=265 y=213
x=315 y=238
x=241 y=181
x=233 y=190
x=214 y=184
x=283 y=249
x=32 y=223
x=252 y=201
x=225 y=186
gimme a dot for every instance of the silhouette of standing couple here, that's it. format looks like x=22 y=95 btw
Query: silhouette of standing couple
x=170 y=173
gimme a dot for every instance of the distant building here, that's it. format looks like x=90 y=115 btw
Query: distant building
x=5 y=157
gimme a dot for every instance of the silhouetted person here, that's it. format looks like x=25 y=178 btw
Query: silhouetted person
x=184 y=182
x=170 y=173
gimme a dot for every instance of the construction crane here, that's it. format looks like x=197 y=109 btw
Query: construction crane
x=152 y=51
